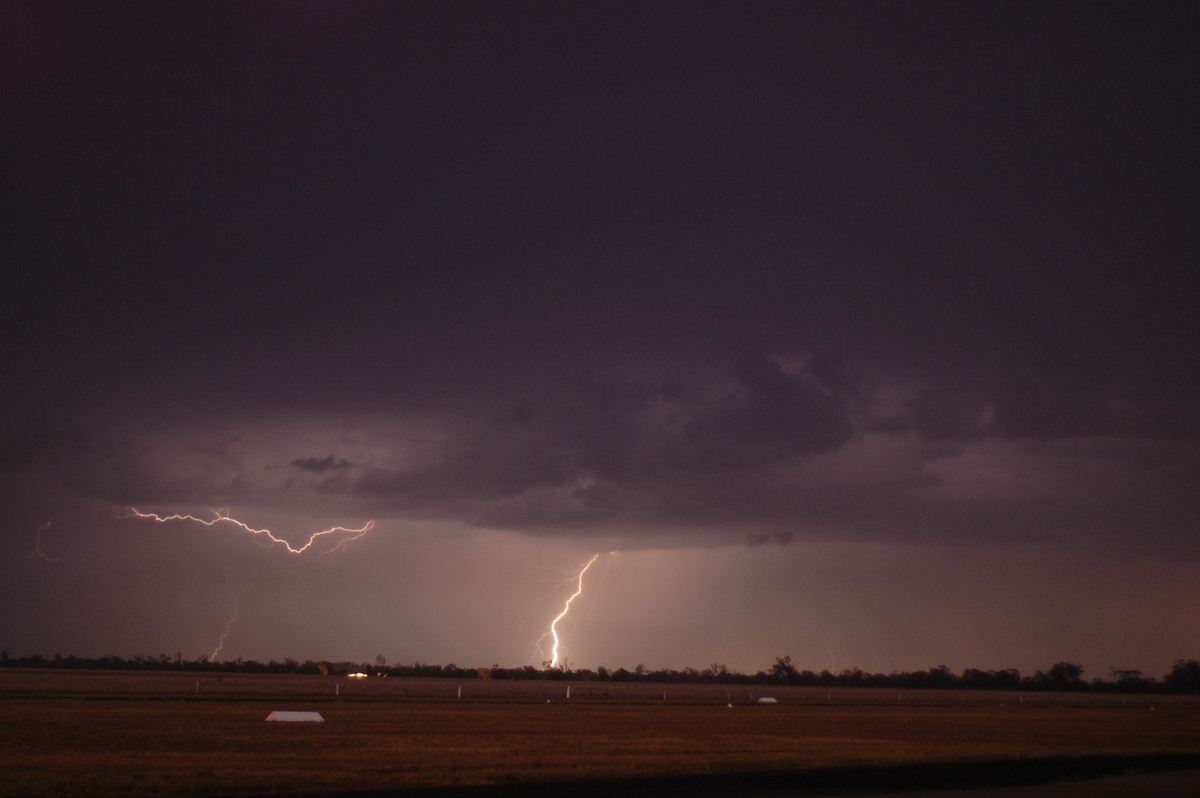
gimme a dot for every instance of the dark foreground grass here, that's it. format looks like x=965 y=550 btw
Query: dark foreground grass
x=826 y=782
x=195 y=745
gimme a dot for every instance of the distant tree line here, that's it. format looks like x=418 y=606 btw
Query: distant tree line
x=1184 y=676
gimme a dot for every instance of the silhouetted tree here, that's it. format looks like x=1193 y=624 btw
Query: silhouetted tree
x=1061 y=676
x=1184 y=676
x=1126 y=681
x=784 y=670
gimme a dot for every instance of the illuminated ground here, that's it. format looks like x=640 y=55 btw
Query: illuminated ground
x=88 y=733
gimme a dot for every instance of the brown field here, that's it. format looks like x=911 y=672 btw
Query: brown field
x=122 y=733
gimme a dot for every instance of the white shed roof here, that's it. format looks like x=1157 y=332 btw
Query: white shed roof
x=282 y=715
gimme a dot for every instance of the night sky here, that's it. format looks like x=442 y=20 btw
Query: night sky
x=860 y=332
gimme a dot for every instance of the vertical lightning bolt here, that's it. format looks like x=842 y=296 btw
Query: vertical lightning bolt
x=221 y=643
x=552 y=632
x=37 y=545
x=222 y=517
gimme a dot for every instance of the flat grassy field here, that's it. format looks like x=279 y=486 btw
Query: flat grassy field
x=121 y=733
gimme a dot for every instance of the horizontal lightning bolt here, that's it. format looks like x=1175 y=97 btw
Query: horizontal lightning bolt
x=223 y=518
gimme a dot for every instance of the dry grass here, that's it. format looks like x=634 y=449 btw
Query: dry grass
x=152 y=734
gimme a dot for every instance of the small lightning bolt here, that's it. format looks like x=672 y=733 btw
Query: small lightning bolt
x=37 y=545
x=222 y=517
x=552 y=632
x=221 y=643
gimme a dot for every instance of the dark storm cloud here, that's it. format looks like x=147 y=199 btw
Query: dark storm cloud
x=33 y=444
x=122 y=466
x=1049 y=404
x=636 y=263
x=627 y=449
x=947 y=412
x=759 y=538
x=788 y=416
x=319 y=465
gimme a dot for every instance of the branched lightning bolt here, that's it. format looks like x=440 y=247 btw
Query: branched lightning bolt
x=552 y=633
x=223 y=517
x=37 y=545
x=221 y=643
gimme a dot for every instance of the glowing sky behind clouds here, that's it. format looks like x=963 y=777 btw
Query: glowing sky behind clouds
x=859 y=330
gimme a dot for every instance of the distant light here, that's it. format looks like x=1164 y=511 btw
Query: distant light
x=356 y=675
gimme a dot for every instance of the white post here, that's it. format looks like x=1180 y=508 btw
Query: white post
x=460 y=691
x=337 y=689
x=568 y=691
